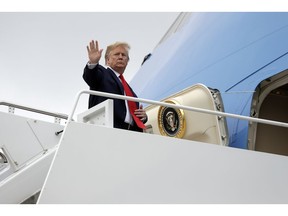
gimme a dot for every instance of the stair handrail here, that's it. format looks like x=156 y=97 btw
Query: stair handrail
x=35 y=110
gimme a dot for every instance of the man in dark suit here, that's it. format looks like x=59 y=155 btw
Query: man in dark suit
x=109 y=80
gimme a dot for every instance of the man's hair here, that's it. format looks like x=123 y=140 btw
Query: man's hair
x=114 y=46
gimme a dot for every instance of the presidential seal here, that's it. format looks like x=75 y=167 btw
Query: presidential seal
x=171 y=121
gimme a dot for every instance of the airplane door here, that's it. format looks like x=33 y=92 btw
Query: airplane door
x=270 y=101
x=190 y=125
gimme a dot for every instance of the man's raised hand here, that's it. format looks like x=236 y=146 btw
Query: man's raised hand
x=94 y=53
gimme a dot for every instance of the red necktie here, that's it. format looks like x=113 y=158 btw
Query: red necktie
x=131 y=104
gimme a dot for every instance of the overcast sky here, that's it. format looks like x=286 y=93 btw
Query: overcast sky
x=42 y=55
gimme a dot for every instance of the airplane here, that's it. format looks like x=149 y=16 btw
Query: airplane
x=215 y=89
x=242 y=55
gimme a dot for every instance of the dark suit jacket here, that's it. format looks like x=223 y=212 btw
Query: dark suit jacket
x=105 y=80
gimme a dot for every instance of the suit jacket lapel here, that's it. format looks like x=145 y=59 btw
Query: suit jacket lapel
x=119 y=84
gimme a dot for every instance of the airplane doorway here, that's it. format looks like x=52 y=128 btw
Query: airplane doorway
x=270 y=101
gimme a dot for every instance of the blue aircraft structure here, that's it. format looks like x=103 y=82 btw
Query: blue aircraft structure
x=235 y=53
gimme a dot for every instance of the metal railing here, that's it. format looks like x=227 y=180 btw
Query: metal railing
x=31 y=109
x=115 y=96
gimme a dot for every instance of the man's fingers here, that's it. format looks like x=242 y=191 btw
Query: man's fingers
x=92 y=45
x=97 y=47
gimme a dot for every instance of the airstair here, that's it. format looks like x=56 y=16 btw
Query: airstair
x=88 y=161
x=27 y=147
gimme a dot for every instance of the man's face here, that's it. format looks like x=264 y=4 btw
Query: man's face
x=118 y=59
